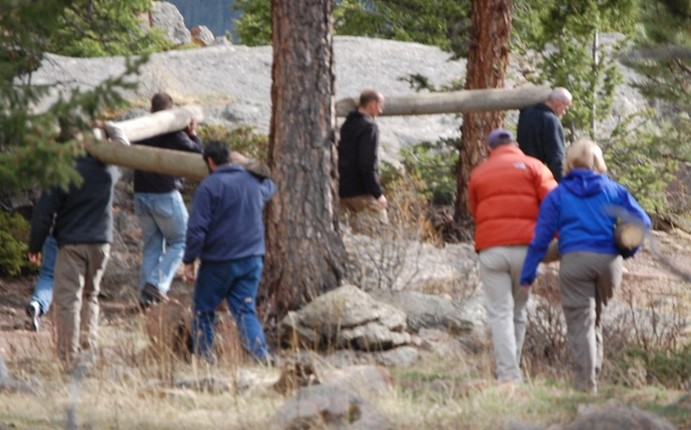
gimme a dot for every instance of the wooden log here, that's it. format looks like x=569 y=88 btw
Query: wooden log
x=455 y=102
x=159 y=160
x=149 y=159
x=162 y=122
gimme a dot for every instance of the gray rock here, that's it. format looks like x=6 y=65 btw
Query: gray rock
x=365 y=380
x=619 y=418
x=426 y=310
x=201 y=35
x=402 y=357
x=344 y=317
x=223 y=72
x=327 y=406
x=166 y=16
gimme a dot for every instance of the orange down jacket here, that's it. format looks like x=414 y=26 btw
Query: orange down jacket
x=505 y=195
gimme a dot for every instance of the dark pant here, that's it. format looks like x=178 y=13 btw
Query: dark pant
x=237 y=282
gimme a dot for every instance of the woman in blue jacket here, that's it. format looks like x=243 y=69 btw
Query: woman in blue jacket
x=583 y=210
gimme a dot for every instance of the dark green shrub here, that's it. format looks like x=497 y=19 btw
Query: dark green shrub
x=668 y=368
x=434 y=163
x=14 y=232
x=242 y=139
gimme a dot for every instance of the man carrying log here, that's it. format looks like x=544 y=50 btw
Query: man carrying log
x=81 y=220
x=161 y=212
x=358 y=165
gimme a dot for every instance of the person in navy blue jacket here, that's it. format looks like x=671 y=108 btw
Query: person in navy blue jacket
x=584 y=210
x=226 y=232
x=539 y=131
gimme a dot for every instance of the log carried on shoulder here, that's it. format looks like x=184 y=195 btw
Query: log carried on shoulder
x=158 y=160
x=481 y=100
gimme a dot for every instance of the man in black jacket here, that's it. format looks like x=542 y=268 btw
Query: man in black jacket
x=161 y=212
x=540 y=133
x=358 y=164
x=81 y=219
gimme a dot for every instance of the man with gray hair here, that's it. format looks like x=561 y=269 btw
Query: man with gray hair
x=540 y=133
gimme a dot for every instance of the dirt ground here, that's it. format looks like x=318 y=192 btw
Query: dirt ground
x=654 y=272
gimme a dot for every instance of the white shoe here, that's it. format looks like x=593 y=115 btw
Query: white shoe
x=33 y=310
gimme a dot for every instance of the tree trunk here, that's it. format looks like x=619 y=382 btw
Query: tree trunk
x=305 y=253
x=479 y=100
x=486 y=68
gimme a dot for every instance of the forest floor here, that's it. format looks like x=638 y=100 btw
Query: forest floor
x=126 y=401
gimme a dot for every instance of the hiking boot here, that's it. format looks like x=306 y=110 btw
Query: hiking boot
x=33 y=310
x=151 y=295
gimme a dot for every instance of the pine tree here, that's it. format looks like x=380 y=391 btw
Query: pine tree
x=565 y=36
x=28 y=151
x=443 y=23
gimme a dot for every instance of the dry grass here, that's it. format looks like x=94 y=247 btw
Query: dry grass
x=142 y=381
x=132 y=387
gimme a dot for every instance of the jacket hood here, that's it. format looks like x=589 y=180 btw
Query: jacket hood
x=583 y=182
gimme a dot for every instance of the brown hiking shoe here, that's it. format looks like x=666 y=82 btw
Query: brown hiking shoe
x=151 y=295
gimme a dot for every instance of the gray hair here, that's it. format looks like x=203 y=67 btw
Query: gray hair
x=560 y=94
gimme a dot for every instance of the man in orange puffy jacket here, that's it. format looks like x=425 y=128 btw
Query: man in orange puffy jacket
x=505 y=196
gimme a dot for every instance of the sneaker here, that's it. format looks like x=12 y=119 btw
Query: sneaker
x=151 y=295
x=33 y=310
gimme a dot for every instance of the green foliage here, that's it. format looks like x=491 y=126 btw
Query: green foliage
x=242 y=139
x=29 y=153
x=420 y=82
x=564 y=33
x=254 y=26
x=13 y=250
x=667 y=80
x=642 y=156
x=443 y=23
x=98 y=28
x=666 y=367
x=435 y=164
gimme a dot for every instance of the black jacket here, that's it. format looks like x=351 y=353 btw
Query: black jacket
x=540 y=135
x=81 y=214
x=149 y=182
x=358 y=164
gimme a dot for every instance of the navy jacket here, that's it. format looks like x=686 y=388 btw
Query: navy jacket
x=358 y=164
x=226 y=218
x=583 y=209
x=81 y=214
x=541 y=135
x=149 y=182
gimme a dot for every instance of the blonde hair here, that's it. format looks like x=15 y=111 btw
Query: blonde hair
x=585 y=154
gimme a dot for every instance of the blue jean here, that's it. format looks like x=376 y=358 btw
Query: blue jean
x=163 y=220
x=43 y=290
x=237 y=282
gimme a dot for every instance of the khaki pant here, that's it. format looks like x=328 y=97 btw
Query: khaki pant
x=505 y=304
x=587 y=280
x=78 y=272
x=364 y=214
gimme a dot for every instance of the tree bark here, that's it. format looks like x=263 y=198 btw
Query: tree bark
x=476 y=100
x=305 y=253
x=488 y=59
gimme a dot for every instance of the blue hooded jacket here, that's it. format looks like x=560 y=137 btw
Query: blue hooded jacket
x=583 y=209
x=226 y=219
